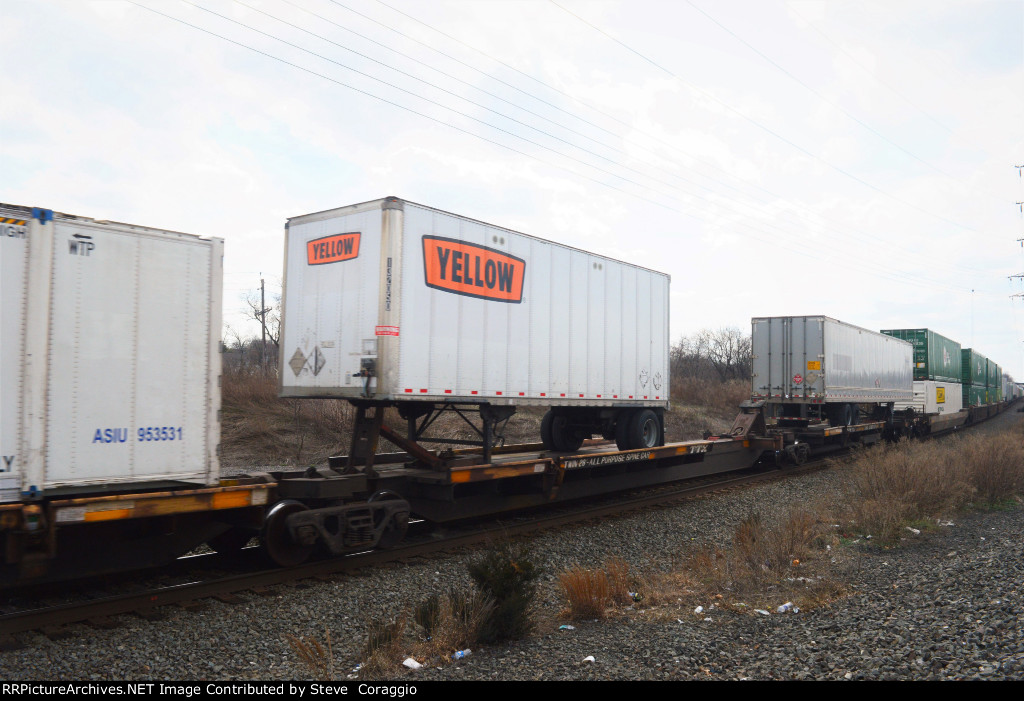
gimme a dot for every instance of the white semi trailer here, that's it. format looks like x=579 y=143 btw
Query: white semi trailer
x=394 y=303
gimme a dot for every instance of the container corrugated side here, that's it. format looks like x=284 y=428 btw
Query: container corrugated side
x=975 y=395
x=467 y=311
x=816 y=358
x=121 y=379
x=974 y=367
x=995 y=375
x=935 y=357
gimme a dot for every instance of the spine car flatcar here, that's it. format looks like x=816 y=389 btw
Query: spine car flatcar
x=110 y=386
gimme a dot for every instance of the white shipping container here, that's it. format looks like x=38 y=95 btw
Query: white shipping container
x=109 y=355
x=816 y=358
x=932 y=397
x=397 y=301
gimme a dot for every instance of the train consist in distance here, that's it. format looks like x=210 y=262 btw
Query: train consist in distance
x=110 y=386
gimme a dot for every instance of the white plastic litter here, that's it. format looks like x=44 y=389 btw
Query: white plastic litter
x=589 y=658
x=411 y=663
x=914 y=530
x=787 y=607
x=762 y=612
x=699 y=610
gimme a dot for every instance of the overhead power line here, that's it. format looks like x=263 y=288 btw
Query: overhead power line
x=889 y=273
x=821 y=226
x=768 y=129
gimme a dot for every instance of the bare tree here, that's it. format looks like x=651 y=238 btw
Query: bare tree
x=267 y=313
x=722 y=354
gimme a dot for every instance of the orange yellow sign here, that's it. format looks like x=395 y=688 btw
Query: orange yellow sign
x=476 y=271
x=332 y=249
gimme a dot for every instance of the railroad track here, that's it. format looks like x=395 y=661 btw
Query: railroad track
x=100 y=610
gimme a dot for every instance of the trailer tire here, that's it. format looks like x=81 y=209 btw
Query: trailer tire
x=840 y=414
x=622 y=422
x=556 y=433
x=644 y=430
x=546 y=436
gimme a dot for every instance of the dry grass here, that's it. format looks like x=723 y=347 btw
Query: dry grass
x=587 y=592
x=995 y=466
x=763 y=557
x=259 y=428
x=452 y=624
x=384 y=648
x=590 y=593
x=619 y=580
x=892 y=486
x=313 y=656
x=703 y=405
x=456 y=627
x=766 y=565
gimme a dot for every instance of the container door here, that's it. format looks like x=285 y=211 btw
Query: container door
x=129 y=358
x=332 y=291
x=14 y=233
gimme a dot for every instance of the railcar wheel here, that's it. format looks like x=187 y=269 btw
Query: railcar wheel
x=277 y=541
x=397 y=525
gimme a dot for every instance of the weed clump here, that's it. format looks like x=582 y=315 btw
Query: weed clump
x=507 y=577
x=911 y=482
x=452 y=622
x=589 y=593
x=383 y=648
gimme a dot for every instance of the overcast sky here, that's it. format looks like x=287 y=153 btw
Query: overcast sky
x=852 y=158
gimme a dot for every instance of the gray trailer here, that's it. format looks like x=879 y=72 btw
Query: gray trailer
x=818 y=368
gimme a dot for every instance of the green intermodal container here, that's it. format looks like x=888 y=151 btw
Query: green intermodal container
x=995 y=382
x=975 y=395
x=973 y=368
x=935 y=356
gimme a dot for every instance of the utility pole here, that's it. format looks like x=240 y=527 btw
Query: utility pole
x=263 y=323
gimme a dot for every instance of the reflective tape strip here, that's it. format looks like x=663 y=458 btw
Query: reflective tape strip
x=145 y=505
